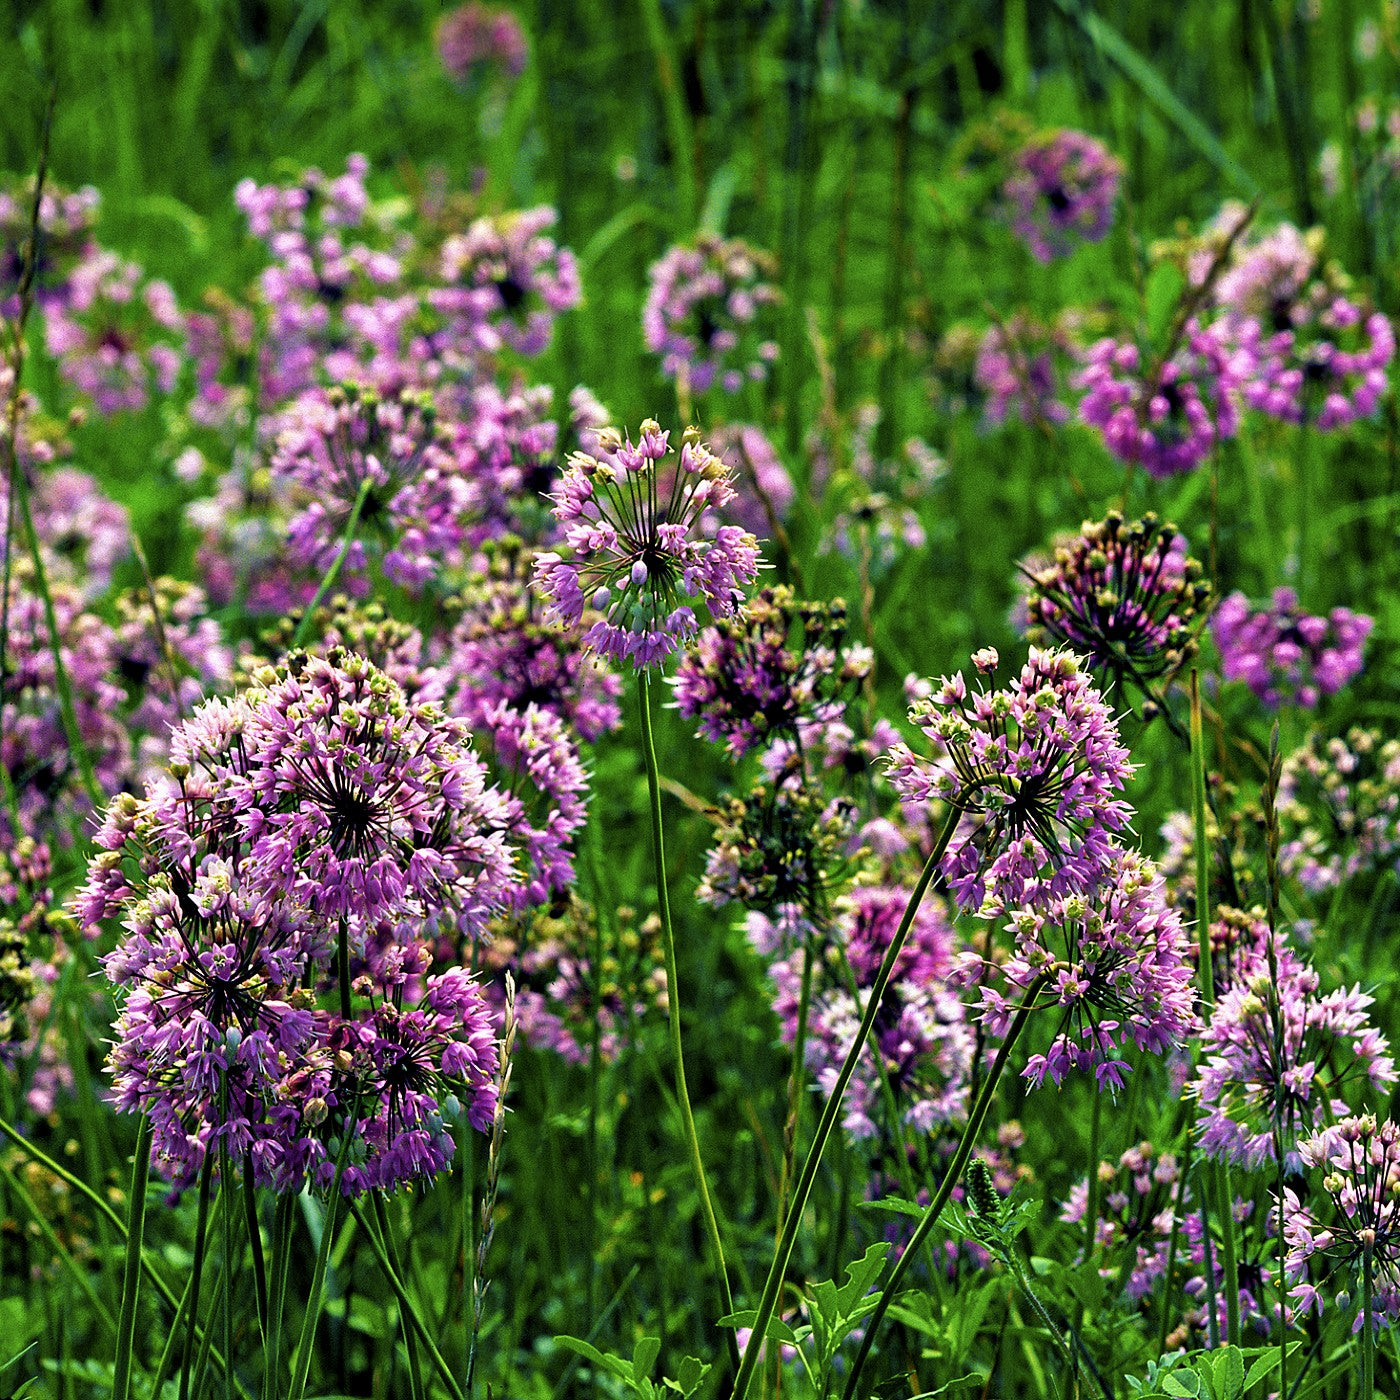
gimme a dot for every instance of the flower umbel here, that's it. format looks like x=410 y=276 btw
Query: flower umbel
x=1034 y=767
x=634 y=552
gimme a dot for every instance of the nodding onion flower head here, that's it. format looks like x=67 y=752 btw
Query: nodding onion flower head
x=1361 y=1159
x=1124 y=595
x=1034 y=768
x=633 y=550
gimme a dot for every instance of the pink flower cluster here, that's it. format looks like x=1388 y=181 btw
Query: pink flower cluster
x=1287 y=657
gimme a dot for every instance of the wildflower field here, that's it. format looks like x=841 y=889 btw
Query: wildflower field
x=699 y=699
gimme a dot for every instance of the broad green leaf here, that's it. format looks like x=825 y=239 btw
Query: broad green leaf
x=644 y=1356
x=1229 y=1374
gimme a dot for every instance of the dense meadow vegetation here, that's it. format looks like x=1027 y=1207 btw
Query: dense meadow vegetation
x=699 y=699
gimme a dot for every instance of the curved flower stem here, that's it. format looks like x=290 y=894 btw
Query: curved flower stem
x=131 y=1277
x=201 y=1236
x=333 y=572
x=673 y=1012
x=975 y=1120
x=831 y=1110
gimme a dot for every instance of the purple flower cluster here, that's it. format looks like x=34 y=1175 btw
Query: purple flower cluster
x=66 y=221
x=1034 y=767
x=1287 y=657
x=1339 y=809
x=1169 y=414
x=319 y=810
x=1279 y=1054
x=476 y=36
x=921 y=1031
x=505 y=282
x=392 y=457
x=1360 y=1159
x=1315 y=355
x=1061 y=192
x=1118 y=966
x=1017 y=371
x=634 y=553
x=775 y=666
x=1124 y=594
x=703 y=311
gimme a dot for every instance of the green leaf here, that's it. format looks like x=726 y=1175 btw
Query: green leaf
x=692 y=1372
x=1182 y=1383
x=615 y=1364
x=644 y=1356
x=1165 y=284
x=777 y=1328
x=1229 y=1373
x=896 y=1205
x=1266 y=1364
x=861 y=1276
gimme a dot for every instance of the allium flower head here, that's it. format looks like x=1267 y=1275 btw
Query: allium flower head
x=1124 y=595
x=1360 y=1159
x=702 y=310
x=1283 y=1048
x=1317 y=356
x=1016 y=371
x=1034 y=767
x=1119 y=970
x=116 y=335
x=1061 y=192
x=505 y=281
x=634 y=551
x=1339 y=809
x=1170 y=416
x=415 y=1063
x=775 y=664
x=920 y=1032
x=1285 y=656
x=1137 y=1212
x=66 y=220
x=352 y=799
x=781 y=851
x=475 y=36
x=335 y=444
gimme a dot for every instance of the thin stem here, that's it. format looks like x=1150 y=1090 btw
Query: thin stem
x=832 y=1109
x=201 y=1233
x=131 y=1276
x=333 y=572
x=1091 y=1208
x=976 y=1119
x=410 y=1336
x=342 y=966
x=1368 y=1335
x=282 y=1221
x=225 y=1188
x=318 y=1276
x=250 y=1216
x=673 y=1014
x=406 y=1304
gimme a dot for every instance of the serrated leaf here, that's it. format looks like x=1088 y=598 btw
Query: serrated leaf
x=895 y=1205
x=861 y=1276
